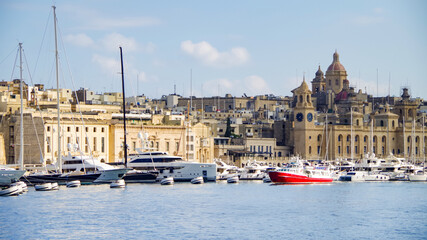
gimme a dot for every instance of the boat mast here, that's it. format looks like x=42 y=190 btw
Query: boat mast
x=21 y=149
x=351 y=133
x=404 y=139
x=57 y=91
x=125 y=147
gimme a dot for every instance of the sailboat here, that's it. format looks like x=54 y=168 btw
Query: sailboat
x=132 y=176
x=11 y=175
x=102 y=173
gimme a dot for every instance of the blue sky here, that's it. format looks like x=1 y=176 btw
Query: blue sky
x=237 y=47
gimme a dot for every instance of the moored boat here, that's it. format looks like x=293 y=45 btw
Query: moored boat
x=73 y=184
x=233 y=179
x=197 y=180
x=167 y=181
x=10 y=191
x=43 y=187
x=118 y=184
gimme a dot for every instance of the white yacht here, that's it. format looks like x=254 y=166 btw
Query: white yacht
x=418 y=176
x=224 y=170
x=9 y=175
x=252 y=171
x=86 y=169
x=354 y=176
x=172 y=166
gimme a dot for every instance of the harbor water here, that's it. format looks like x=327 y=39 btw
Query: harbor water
x=247 y=210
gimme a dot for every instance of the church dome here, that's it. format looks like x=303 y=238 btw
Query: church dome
x=343 y=95
x=336 y=65
x=319 y=72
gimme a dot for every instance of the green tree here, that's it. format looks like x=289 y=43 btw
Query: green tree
x=228 y=129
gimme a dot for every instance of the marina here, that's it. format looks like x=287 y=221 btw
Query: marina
x=336 y=210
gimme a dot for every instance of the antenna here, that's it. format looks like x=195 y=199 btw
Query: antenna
x=191 y=89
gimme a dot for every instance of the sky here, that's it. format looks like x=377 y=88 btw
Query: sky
x=212 y=48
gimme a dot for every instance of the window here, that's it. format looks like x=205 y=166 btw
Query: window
x=348 y=149
x=48 y=144
x=336 y=81
x=94 y=144
x=94 y=129
x=68 y=129
x=102 y=129
x=134 y=145
x=318 y=149
x=339 y=149
x=48 y=128
x=86 y=146
x=77 y=129
x=102 y=144
x=355 y=150
x=68 y=140
x=87 y=129
x=177 y=146
x=309 y=150
x=167 y=146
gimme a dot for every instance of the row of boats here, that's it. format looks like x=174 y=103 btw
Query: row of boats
x=302 y=171
x=156 y=166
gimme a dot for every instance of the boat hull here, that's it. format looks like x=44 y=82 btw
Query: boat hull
x=284 y=177
x=10 y=176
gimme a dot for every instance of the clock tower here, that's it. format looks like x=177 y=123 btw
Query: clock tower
x=304 y=117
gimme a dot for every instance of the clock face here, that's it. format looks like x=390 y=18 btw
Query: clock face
x=309 y=117
x=300 y=117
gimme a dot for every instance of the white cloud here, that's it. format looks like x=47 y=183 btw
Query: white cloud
x=110 y=65
x=80 y=39
x=212 y=57
x=112 y=42
x=251 y=86
x=256 y=85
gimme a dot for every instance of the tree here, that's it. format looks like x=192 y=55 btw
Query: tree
x=228 y=129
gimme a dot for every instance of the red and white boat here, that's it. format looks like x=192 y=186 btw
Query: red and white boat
x=296 y=172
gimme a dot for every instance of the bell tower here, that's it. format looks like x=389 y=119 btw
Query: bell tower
x=335 y=75
x=303 y=122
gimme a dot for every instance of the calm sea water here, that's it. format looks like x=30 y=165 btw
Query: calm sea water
x=248 y=210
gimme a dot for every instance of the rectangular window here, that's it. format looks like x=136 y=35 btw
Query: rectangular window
x=94 y=144
x=339 y=149
x=102 y=129
x=102 y=144
x=86 y=146
x=94 y=129
x=87 y=129
x=177 y=146
x=77 y=129
x=167 y=146
x=134 y=145
x=48 y=128
x=48 y=144
x=68 y=140
x=68 y=129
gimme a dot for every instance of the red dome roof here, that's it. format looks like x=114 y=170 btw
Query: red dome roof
x=336 y=65
x=343 y=95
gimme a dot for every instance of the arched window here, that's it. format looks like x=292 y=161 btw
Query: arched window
x=356 y=139
x=417 y=139
x=409 y=139
x=357 y=122
x=365 y=138
x=348 y=138
x=375 y=138
x=308 y=98
x=319 y=137
x=382 y=123
x=392 y=123
x=339 y=138
x=300 y=98
x=383 y=139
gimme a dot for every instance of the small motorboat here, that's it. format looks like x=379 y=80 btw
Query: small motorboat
x=266 y=179
x=73 y=184
x=167 y=181
x=197 y=180
x=118 y=184
x=21 y=186
x=11 y=191
x=234 y=179
x=43 y=187
x=55 y=186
